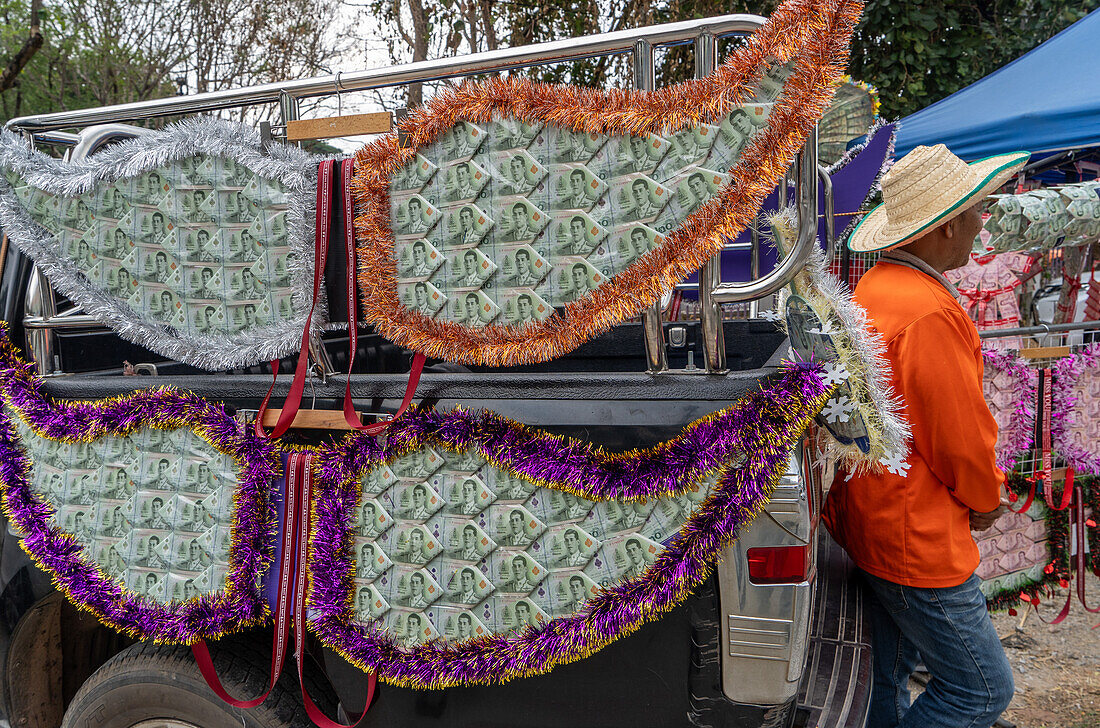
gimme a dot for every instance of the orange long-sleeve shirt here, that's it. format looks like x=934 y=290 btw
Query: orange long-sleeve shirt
x=914 y=529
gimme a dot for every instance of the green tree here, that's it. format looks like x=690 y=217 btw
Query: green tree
x=916 y=52
x=99 y=52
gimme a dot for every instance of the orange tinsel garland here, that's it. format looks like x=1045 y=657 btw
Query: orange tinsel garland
x=814 y=34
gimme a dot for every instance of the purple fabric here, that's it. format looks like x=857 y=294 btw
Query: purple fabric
x=749 y=444
x=852 y=183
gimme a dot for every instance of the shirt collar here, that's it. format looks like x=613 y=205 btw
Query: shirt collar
x=902 y=257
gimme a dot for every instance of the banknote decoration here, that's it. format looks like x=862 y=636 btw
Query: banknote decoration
x=152 y=510
x=461 y=535
x=475 y=550
x=579 y=207
x=189 y=241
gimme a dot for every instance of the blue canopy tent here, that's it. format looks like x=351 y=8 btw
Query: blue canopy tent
x=1045 y=101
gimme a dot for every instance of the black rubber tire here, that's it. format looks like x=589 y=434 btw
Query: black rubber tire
x=148 y=682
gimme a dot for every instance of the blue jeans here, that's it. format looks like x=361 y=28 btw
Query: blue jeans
x=950 y=630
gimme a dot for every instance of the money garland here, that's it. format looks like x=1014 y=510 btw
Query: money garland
x=724 y=465
x=746 y=447
x=1032 y=586
x=1011 y=391
x=233 y=604
x=191 y=241
x=864 y=417
x=1041 y=219
x=1075 y=422
x=811 y=37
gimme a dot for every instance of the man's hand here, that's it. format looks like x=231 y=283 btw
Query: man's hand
x=982 y=521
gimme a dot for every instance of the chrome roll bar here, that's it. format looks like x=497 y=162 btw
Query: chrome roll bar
x=640 y=43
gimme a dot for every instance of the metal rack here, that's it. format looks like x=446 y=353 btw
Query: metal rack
x=640 y=43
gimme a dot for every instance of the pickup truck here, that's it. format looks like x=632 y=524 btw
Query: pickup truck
x=758 y=644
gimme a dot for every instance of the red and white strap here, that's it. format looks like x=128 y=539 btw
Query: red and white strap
x=283 y=615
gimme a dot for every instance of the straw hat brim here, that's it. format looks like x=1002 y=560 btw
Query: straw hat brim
x=871 y=234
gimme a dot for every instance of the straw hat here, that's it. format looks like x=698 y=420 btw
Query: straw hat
x=925 y=188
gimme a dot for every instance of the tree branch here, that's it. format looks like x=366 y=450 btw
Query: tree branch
x=24 y=55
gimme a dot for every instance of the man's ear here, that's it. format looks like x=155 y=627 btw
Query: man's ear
x=948 y=228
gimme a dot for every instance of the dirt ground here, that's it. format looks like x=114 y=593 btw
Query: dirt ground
x=1057 y=668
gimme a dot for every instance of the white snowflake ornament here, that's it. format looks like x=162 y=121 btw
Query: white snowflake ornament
x=895 y=464
x=838 y=409
x=835 y=373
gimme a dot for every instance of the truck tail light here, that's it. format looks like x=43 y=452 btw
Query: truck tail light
x=779 y=564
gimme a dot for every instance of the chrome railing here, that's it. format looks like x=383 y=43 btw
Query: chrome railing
x=640 y=43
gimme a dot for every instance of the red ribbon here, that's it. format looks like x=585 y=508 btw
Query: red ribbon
x=320 y=254
x=350 y=415
x=283 y=624
x=293 y=587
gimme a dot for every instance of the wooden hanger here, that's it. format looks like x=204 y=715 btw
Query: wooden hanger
x=378 y=122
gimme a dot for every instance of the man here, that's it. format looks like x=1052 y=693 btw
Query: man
x=472 y=311
x=523 y=614
x=516 y=535
x=465 y=626
x=463 y=184
x=420 y=297
x=639 y=246
x=466 y=593
x=698 y=186
x=165 y=309
x=414 y=554
x=195 y=559
x=415 y=222
x=368 y=521
x=420 y=268
x=639 y=155
x=471 y=277
x=642 y=208
x=419 y=510
x=362 y=602
x=577 y=593
x=470 y=504
x=910 y=533
x=579 y=278
x=251 y=289
x=467 y=233
x=163 y=479
x=153 y=558
x=462 y=141
x=367 y=568
x=525 y=309
x=205 y=288
x=416 y=598
x=519 y=581
x=636 y=556
x=156 y=515
x=516 y=181
x=468 y=550
x=521 y=228
x=412 y=630
x=576 y=197
x=573 y=555
x=525 y=272
x=576 y=241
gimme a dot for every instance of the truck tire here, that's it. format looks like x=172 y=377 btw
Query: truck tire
x=160 y=686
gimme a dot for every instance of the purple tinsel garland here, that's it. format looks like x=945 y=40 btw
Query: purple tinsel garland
x=1067 y=372
x=1020 y=435
x=748 y=444
x=761 y=427
x=240 y=604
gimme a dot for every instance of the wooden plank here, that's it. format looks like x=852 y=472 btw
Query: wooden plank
x=1045 y=352
x=309 y=419
x=378 y=122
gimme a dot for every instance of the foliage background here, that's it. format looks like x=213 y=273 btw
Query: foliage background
x=110 y=51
